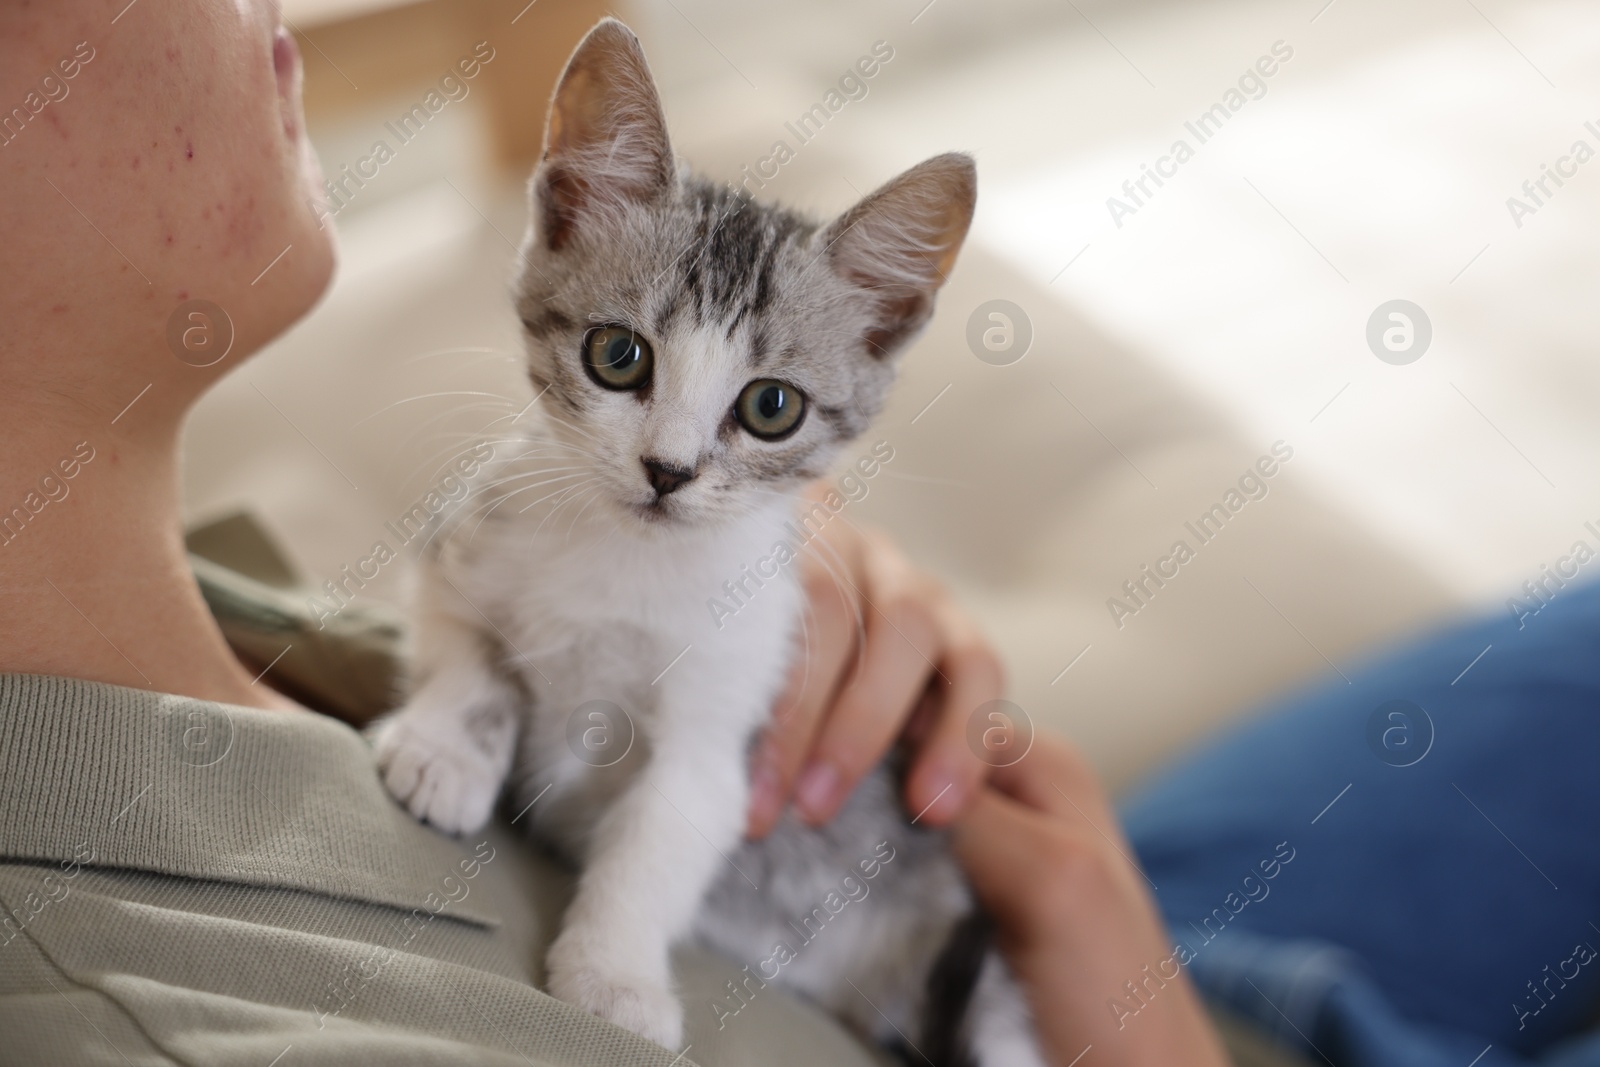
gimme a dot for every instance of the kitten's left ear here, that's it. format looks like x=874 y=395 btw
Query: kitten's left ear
x=605 y=139
x=901 y=241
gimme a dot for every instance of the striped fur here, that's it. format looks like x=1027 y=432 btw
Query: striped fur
x=594 y=589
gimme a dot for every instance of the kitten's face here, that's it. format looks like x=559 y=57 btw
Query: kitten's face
x=704 y=337
x=700 y=353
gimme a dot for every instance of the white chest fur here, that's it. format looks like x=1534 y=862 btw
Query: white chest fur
x=522 y=622
x=620 y=654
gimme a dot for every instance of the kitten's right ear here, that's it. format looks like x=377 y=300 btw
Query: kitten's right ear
x=899 y=244
x=605 y=139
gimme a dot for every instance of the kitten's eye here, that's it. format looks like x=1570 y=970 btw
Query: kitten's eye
x=770 y=409
x=617 y=358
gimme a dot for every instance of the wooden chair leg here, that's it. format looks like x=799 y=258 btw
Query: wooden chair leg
x=532 y=43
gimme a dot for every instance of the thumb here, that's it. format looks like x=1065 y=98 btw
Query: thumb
x=1002 y=845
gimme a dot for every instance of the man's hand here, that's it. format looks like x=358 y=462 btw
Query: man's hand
x=887 y=653
x=1043 y=851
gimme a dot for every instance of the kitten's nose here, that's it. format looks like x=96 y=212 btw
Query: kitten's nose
x=664 y=477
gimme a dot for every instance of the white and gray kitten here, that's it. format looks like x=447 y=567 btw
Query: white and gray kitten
x=701 y=358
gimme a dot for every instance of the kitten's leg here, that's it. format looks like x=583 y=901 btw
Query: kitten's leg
x=654 y=854
x=447 y=751
x=999 y=1025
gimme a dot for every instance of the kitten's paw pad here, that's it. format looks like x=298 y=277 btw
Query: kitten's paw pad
x=646 y=1007
x=444 y=780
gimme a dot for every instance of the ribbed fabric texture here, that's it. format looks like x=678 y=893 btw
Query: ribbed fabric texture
x=186 y=882
x=187 y=787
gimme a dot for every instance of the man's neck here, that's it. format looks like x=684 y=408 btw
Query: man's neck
x=94 y=579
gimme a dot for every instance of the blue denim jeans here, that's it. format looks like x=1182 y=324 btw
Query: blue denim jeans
x=1401 y=868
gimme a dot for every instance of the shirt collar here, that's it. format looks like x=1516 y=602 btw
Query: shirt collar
x=178 y=786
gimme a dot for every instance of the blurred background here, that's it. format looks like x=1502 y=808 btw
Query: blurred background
x=1156 y=350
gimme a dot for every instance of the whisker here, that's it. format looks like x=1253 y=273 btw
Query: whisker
x=483 y=496
x=417 y=432
x=470 y=506
x=488 y=491
x=573 y=525
x=517 y=492
x=839 y=584
x=574 y=427
x=431 y=396
x=569 y=493
x=451 y=453
x=535 y=473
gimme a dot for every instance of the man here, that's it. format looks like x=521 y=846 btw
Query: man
x=198 y=868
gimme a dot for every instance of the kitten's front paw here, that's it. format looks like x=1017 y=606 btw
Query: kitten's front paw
x=634 y=1002
x=442 y=777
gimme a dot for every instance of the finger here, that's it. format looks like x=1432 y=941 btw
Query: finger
x=832 y=634
x=897 y=659
x=947 y=771
x=1056 y=778
x=924 y=717
x=1000 y=844
x=1036 y=870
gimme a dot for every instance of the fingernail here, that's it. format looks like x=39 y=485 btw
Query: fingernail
x=948 y=799
x=942 y=801
x=817 y=786
x=765 y=799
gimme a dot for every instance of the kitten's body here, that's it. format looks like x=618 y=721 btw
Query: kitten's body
x=581 y=576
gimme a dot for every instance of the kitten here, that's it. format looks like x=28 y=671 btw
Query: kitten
x=700 y=358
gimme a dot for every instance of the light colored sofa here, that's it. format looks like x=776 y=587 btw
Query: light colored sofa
x=1167 y=359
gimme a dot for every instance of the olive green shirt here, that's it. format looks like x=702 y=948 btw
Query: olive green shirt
x=184 y=882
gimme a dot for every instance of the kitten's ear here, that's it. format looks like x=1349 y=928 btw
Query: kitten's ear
x=901 y=241
x=605 y=139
